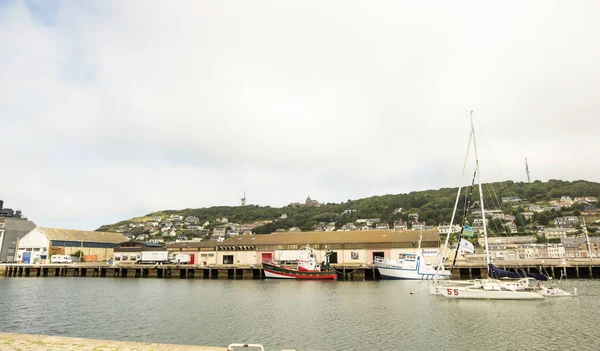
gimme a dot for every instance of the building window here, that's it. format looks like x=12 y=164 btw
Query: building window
x=354 y=255
x=227 y=259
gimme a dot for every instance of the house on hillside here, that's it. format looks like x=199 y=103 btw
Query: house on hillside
x=191 y=220
x=175 y=218
x=566 y=221
x=589 y=209
x=418 y=225
x=448 y=229
x=566 y=201
x=329 y=227
x=510 y=199
x=527 y=215
x=551 y=233
x=400 y=226
x=535 y=208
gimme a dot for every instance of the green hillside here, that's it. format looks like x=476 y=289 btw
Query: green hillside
x=433 y=207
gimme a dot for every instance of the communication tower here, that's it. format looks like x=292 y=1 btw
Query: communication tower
x=527 y=171
x=244 y=199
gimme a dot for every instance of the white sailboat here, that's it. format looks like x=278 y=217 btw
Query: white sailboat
x=490 y=289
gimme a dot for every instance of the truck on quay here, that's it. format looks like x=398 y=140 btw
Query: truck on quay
x=182 y=259
x=153 y=257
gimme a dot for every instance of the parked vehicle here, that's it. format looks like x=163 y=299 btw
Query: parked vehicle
x=60 y=259
x=181 y=259
x=153 y=257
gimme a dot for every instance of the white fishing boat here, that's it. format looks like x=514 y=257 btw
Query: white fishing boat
x=409 y=266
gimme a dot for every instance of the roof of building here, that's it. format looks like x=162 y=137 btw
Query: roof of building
x=337 y=237
x=144 y=243
x=579 y=241
x=18 y=224
x=79 y=235
x=192 y=244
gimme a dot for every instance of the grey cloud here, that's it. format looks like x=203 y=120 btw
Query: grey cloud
x=120 y=108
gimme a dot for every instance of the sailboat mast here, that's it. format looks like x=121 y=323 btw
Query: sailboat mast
x=587 y=239
x=462 y=176
x=485 y=236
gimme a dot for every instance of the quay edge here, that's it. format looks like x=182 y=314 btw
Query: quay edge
x=60 y=343
x=573 y=269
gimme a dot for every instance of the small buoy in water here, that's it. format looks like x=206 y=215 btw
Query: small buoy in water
x=412 y=292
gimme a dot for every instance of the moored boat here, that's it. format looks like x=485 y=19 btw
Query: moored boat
x=410 y=266
x=492 y=288
x=306 y=267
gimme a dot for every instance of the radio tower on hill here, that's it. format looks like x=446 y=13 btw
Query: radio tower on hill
x=527 y=171
x=244 y=199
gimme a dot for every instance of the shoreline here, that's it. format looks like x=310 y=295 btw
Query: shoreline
x=14 y=342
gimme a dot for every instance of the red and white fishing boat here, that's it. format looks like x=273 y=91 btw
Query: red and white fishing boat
x=306 y=267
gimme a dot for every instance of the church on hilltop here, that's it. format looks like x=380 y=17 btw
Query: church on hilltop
x=310 y=202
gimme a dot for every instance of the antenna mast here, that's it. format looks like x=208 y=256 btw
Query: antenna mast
x=527 y=171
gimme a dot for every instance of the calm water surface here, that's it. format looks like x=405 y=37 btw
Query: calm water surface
x=306 y=315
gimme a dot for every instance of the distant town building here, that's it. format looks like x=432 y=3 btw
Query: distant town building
x=400 y=226
x=382 y=226
x=448 y=229
x=13 y=226
x=310 y=202
x=418 y=225
x=527 y=215
x=552 y=233
x=41 y=243
x=510 y=199
x=535 y=208
x=566 y=221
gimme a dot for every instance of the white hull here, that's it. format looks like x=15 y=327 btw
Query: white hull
x=275 y=275
x=391 y=272
x=410 y=268
x=488 y=290
x=556 y=292
x=439 y=287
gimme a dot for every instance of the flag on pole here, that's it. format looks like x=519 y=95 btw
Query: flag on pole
x=468 y=231
x=466 y=246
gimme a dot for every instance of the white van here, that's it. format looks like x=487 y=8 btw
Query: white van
x=60 y=259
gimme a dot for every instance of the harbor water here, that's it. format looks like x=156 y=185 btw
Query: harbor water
x=300 y=315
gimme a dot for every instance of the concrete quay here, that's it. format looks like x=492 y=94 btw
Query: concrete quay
x=19 y=342
x=464 y=269
x=15 y=342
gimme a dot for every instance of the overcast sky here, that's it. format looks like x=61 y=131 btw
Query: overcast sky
x=110 y=110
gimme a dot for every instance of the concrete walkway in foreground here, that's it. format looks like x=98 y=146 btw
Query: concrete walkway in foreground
x=26 y=342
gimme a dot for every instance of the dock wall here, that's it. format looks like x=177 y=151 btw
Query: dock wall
x=464 y=270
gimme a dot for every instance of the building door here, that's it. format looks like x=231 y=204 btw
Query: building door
x=333 y=257
x=267 y=257
x=227 y=259
x=378 y=254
